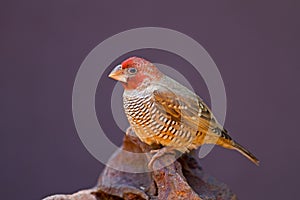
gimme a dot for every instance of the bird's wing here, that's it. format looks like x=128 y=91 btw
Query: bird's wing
x=185 y=109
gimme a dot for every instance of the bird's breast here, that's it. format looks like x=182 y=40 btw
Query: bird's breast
x=152 y=125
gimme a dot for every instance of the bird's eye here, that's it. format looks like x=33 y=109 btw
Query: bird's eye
x=132 y=70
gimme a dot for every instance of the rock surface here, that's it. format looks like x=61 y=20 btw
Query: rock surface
x=183 y=179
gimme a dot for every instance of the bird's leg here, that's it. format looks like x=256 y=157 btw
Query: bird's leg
x=129 y=131
x=160 y=153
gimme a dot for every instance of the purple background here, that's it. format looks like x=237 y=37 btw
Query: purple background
x=255 y=45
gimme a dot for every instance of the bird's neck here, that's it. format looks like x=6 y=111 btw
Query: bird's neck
x=138 y=92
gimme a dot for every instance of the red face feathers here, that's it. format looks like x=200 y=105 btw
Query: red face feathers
x=135 y=73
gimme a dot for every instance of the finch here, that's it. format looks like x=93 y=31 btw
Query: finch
x=162 y=111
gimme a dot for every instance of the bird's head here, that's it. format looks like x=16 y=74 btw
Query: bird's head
x=135 y=73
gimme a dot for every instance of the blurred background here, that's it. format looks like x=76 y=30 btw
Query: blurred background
x=43 y=43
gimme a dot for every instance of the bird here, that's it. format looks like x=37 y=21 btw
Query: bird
x=162 y=111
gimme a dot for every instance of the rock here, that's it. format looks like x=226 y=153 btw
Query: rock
x=182 y=179
x=81 y=195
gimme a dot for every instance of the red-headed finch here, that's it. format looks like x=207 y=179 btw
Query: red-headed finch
x=162 y=111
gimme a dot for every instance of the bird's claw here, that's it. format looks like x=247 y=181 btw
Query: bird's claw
x=158 y=154
x=153 y=151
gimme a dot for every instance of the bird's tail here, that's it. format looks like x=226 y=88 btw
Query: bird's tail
x=246 y=153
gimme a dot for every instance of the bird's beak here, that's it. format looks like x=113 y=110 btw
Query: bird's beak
x=118 y=74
